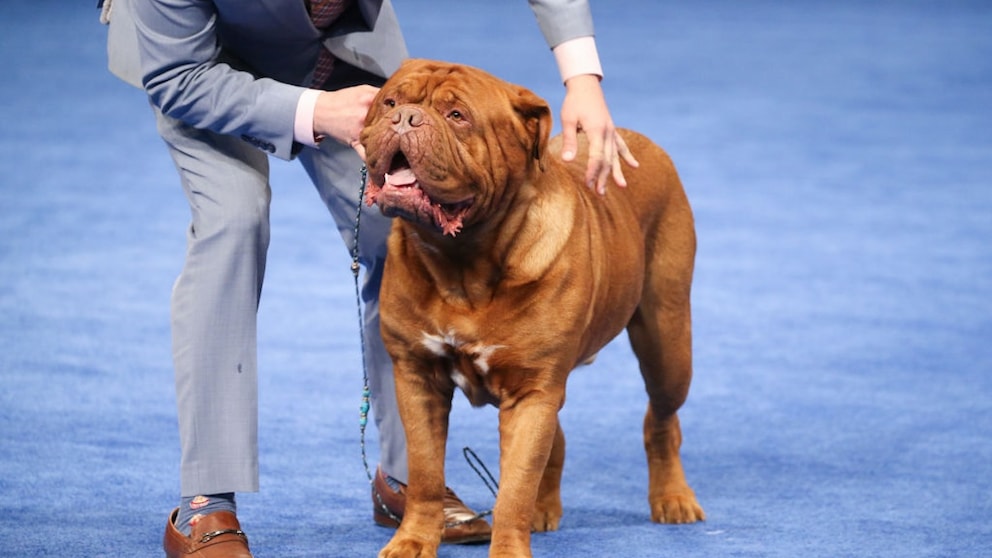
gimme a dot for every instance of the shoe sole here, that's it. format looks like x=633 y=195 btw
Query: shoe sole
x=383 y=520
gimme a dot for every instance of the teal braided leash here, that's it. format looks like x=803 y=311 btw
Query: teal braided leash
x=363 y=416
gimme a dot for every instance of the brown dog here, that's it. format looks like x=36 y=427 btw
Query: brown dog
x=504 y=273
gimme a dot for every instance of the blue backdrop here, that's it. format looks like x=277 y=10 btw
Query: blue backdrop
x=839 y=159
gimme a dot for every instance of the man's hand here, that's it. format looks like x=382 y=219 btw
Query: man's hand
x=584 y=108
x=341 y=114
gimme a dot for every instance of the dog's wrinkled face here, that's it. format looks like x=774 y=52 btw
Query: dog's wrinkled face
x=445 y=142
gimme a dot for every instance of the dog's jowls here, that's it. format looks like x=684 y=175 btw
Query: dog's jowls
x=504 y=273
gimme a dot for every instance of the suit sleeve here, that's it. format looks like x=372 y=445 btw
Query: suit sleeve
x=563 y=20
x=185 y=76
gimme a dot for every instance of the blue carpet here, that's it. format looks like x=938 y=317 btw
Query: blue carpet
x=839 y=159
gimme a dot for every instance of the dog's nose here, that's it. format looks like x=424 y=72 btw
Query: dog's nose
x=407 y=118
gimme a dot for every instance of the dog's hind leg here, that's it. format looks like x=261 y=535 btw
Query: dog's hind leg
x=661 y=336
x=667 y=371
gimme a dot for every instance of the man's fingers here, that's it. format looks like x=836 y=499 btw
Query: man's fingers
x=605 y=154
x=569 y=142
x=597 y=161
x=593 y=170
x=606 y=165
x=618 y=174
x=624 y=152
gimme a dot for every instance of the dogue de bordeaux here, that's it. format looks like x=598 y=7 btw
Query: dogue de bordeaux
x=504 y=273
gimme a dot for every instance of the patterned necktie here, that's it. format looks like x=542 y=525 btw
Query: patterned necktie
x=323 y=13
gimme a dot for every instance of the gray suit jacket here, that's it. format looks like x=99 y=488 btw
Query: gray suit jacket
x=238 y=67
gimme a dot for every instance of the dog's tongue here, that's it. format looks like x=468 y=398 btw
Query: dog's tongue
x=402 y=177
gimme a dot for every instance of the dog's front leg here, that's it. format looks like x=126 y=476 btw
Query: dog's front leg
x=527 y=430
x=424 y=407
x=547 y=510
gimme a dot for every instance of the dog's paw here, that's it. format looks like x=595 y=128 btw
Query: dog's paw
x=408 y=548
x=546 y=518
x=676 y=508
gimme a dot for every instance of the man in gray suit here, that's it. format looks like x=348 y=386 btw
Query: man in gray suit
x=231 y=83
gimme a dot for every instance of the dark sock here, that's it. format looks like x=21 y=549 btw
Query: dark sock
x=393 y=483
x=192 y=508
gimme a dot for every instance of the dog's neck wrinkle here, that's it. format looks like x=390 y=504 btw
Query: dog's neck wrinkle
x=535 y=238
x=477 y=261
x=469 y=268
x=461 y=271
x=472 y=268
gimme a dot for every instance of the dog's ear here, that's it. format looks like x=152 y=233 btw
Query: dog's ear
x=536 y=116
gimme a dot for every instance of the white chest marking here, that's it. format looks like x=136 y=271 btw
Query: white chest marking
x=448 y=344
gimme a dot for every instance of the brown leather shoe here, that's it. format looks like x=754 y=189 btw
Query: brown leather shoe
x=216 y=535
x=462 y=525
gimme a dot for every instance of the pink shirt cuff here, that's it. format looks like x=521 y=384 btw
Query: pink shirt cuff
x=578 y=56
x=303 y=126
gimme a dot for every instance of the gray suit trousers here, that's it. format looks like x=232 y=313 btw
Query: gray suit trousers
x=215 y=301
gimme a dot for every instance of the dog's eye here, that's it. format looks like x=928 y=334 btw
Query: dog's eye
x=389 y=103
x=455 y=115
